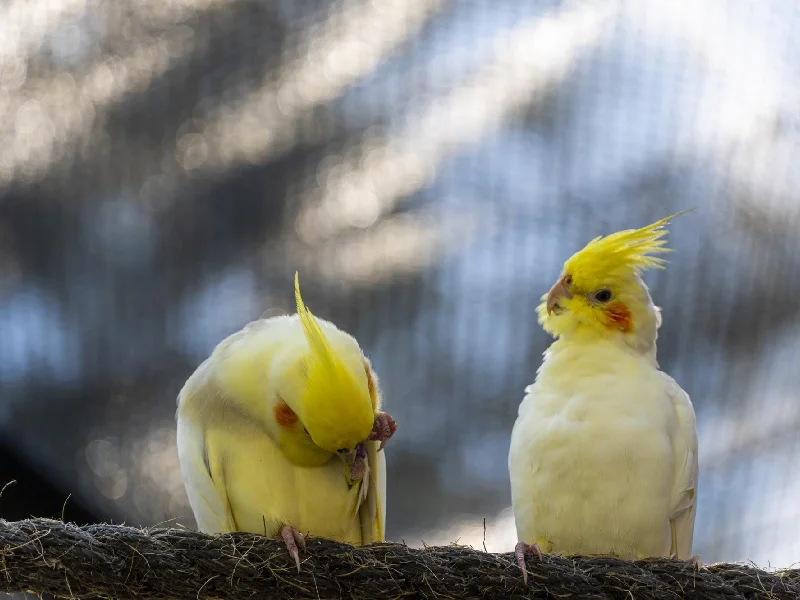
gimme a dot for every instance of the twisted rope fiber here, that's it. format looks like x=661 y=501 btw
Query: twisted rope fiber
x=112 y=561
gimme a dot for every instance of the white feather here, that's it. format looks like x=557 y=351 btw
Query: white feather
x=208 y=501
x=604 y=455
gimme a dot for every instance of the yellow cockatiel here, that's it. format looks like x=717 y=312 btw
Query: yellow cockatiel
x=603 y=456
x=280 y=432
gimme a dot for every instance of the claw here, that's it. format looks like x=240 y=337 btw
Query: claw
x=520 y=550
x=696 y=561
x=383 y=429
x=293 y=540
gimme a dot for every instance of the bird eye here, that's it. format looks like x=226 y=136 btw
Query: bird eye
x=602 y=296
x=306 y=431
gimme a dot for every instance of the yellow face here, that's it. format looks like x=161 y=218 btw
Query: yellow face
x=315 y=426
x=600 y=290
x=604 y=306
x=339 y=413
x=328 y=397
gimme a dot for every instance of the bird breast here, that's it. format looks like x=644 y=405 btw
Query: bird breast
x=591 y=459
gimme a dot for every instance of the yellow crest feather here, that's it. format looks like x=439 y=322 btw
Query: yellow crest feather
x=622 y=253
x=321 y=354
x=340 y=411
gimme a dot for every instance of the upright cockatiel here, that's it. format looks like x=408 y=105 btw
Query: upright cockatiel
x=280 y=432
x=603 y=456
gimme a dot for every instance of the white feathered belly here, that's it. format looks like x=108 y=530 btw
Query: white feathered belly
x=586 y=483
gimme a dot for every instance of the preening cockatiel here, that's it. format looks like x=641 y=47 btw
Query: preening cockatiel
x=280 y=432
x=603 y=456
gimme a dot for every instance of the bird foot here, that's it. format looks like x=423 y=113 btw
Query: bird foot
x=293 y=540
x=696 y=561
x=520 y=550
x=383 y=429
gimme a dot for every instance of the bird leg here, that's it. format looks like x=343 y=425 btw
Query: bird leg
x=520 y=550
x=383 y=428
x=293 y=540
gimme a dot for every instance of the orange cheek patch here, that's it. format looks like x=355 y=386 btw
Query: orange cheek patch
x=284 y=415
x=618 y=317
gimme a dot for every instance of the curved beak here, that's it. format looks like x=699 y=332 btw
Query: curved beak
x=559 y=291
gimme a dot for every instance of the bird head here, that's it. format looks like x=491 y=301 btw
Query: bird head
x=600 y=292
x=327 y=398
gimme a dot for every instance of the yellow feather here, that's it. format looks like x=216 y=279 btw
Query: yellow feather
x=246 y=472
x=613 y=263
x=621 y=254
x=246 y=469
x=321 y=354
x=338 y=406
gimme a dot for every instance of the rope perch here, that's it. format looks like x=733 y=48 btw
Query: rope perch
x=112 y=561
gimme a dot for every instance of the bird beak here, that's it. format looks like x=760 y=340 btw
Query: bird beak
x=559 y=291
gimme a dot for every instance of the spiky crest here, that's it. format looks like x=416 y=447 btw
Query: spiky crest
x=324 y=369
x=337 y=407
x=620 y=254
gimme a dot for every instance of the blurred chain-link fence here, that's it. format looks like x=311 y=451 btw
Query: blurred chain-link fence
x=427 y=166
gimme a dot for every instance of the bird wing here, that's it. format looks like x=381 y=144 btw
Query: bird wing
x=684 y=490
x=372 y=512
x=201 y=459
x=203 y=476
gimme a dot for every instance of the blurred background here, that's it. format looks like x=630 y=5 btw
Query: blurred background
x=427 y=166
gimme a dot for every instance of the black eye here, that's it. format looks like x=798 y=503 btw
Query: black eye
x=602 y=295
